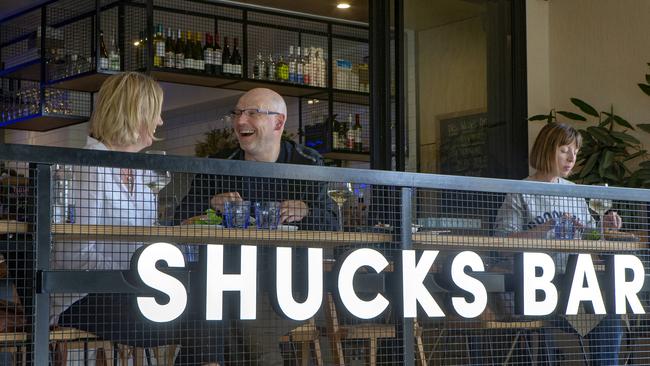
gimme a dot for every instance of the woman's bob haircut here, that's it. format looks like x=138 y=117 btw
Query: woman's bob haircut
x=125 y=103
x=552 y=136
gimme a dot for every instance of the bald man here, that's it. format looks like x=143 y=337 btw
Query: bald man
x=258 y=121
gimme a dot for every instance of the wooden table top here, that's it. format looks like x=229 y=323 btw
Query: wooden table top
x=13 y=227
x=456 y=242
x=200 y=234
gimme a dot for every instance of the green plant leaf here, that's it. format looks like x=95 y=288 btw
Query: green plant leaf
x=539 y=117
x=600 y=134
x=589 y=165
x=636 y=155
x=621 y=121
x=644 y=126
x=626 y=137
x=645 y=88
x=572 y=116
x=605 y=162
x=586 y=108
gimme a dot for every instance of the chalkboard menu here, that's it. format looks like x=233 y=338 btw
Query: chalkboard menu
x=463 y=144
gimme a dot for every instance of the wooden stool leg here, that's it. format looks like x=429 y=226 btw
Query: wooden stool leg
x=334 y=331
x=139 y=355
x=419 y=343
x=305 y=353
x=373 y=351
x=317 y=353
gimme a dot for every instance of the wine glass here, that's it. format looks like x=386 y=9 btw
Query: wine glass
x=157 y=180
x=601 y=206
x=339 y=192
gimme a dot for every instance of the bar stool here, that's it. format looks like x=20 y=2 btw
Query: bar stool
x=305 y=335
x=63 y=340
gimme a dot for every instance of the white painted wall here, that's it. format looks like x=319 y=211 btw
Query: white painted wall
x=597 y=50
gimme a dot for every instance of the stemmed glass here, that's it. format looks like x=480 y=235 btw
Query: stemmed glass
x=158 y=180
x=601 y=206
x=339 y=192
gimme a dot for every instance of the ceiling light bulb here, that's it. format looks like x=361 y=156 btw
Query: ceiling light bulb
x=343 y=6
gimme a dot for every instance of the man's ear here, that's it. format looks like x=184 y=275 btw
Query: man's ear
x=279 y=121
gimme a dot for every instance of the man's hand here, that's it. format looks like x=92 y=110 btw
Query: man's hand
x=218 y=200
x=612 y=221
x=291 y=211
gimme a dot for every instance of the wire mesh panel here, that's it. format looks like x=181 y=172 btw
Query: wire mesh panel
x=561 y=228
x=17 y=276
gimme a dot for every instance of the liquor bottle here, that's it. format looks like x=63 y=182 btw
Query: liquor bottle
x=159 y=47
x=114 y=56
x=140 y=50
x=307 y=69
x=259 y=69
x=336 y=127
x=180 y=51
x=197 y=53
x=270 y=68
x=208 y=55
x=282 y=70
x=299 y=67
x=226 y=67
x=170 y=53
x=349 y=136
x=189 y=47
x=235 y=60
x=292 y=65
x=103 y=53
x=322 y=68
x=218 y=60
x=358 y=146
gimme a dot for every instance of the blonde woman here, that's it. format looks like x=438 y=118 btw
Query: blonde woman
x=125 y=119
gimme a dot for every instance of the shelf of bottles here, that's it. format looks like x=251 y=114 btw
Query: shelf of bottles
x=342 y=135
x=187 y=42
x=26 y=106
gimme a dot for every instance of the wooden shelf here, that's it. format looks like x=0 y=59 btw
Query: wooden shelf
x=87 y=82
x=191 y=78
x=350 y=156
x=285 y=89
x=345 y=96
x=42 y=123
x=30 y=70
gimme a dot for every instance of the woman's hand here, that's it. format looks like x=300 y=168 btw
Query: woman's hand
x=217 y=201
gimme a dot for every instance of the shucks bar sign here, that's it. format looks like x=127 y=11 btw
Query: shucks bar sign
x=536 y=294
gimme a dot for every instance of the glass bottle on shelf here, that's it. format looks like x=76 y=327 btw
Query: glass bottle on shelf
x=114 y=56
x=103 y=52
x=197 y=52
x=292 y=65
x=180 y=51
x=159 y=47
x=282 y=70
x=235 y=60
x=349 y=136
x=189 y=47
x=208 y=55
x=321 y=68
x=357 y=129
x=226 y=67
x=299 y=67
x=170 y=52
x=218 y=59
x=307 y=69
x=270 y=68
x=259 y=69
x=336 y=127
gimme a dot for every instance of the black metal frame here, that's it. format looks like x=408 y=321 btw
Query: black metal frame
x=114 y=281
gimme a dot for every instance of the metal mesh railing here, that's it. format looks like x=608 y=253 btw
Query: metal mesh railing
x=281 y=247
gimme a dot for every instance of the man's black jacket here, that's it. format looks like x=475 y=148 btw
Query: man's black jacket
x=253 y=189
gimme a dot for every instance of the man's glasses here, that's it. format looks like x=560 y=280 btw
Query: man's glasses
x=250 y=113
